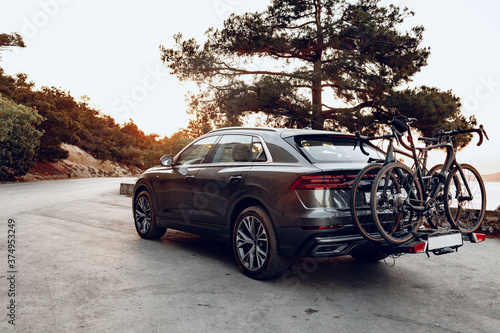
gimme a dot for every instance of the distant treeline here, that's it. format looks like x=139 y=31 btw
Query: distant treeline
x=34 y=123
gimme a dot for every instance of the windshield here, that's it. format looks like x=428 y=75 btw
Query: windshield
x=335 y=149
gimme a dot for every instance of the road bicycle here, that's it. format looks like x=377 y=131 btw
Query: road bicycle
x=399 y=196
x=362 y=184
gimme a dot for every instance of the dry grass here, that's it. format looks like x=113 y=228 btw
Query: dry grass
x=79 y=164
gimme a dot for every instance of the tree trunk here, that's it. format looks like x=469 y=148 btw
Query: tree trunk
x=318 y=119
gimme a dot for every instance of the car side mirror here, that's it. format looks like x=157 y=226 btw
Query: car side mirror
x=166 y=160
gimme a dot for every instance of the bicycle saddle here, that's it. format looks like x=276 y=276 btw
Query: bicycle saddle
x=400 y=124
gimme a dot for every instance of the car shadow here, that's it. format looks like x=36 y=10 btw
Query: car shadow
x=200 y=246
x=345 y=270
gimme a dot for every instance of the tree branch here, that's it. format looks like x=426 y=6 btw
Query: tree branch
x=330 y=112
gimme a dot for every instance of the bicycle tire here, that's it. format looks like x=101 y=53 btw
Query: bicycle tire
x=463 y=213
x=435 y=169
x=393 y=187
x=361 y=215
x=439 y=219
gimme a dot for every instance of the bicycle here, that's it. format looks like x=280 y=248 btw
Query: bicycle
x=361 y=187
x=400 y=197
x=454 y=203
x=362 y=183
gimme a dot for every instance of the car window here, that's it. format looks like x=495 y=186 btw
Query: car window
x=233 y=148
x=334 y=149
x=258 y=152
x=197 y=152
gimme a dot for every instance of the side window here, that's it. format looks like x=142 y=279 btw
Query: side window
x=258 y=152
x=197 y=152
x=233 y=148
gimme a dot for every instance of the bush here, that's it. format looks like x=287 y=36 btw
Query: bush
x=19 y=138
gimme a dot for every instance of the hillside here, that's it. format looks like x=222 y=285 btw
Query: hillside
x=79 y=164
x=494 y=177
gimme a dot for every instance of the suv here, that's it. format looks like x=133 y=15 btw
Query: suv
x=271 y=193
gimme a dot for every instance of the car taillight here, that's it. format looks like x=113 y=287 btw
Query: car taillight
x=322 y=182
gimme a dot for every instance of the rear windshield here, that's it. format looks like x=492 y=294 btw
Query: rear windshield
x=335 y=149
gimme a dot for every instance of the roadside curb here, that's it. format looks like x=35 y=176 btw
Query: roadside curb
x=127 y=188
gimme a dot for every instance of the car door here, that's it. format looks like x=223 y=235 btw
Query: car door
x=176 y=184
x=219 y=182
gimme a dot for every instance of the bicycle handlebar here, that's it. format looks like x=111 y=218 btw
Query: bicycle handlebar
x=362 y=138
x=401 y=124
x=479 y=131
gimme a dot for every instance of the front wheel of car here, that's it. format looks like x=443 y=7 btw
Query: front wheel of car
x=255 y=245
x=144 y=217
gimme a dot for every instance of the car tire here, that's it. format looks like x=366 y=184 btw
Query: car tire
x=145 y=218
x=369 y=256
x=255 y=245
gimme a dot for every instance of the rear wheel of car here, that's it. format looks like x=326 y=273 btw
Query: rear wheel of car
x=255 y=245
x=144 y=217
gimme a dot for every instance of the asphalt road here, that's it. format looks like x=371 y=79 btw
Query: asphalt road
x=79 y=266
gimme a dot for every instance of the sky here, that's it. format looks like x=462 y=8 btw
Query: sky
x=109 y=51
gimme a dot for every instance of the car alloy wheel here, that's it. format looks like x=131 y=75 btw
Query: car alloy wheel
x=255 y=245
x=252 y=243
x=144 y=217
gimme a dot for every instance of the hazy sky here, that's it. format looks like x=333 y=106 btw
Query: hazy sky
x=109 y=51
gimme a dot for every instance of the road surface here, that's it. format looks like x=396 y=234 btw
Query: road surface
x=79 y=266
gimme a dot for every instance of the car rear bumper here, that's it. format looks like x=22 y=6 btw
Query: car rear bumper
x=314 y=243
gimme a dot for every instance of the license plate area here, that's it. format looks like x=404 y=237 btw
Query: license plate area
x=438 y=241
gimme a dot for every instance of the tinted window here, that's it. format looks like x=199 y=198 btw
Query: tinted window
x=258 y=152
x=233 y=148
x=197 y=152
x=334 y=149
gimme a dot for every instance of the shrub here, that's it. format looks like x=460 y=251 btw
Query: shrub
x=19 y=138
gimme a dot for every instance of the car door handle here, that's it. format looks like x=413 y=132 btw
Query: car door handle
x=235 y=179
x=189 y=178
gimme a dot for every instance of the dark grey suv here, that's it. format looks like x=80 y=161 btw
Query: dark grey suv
x=271 y=193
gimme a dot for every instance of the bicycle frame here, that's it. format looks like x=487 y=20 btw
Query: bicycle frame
x=449 y=164
x=402 y=196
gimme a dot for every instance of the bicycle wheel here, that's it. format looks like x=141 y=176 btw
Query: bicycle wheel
x=435 y=169
x=361 y=215
x=438 y=218
x=394 y=190
x=465 y=210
